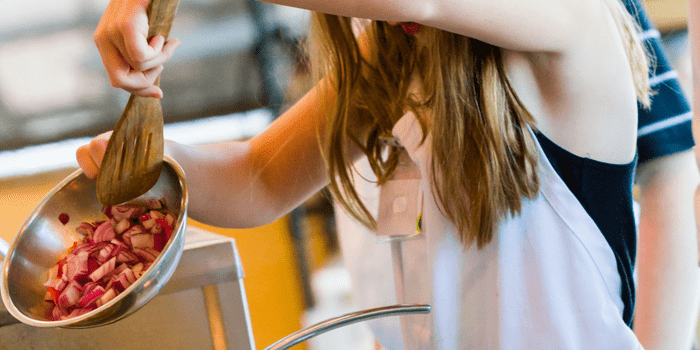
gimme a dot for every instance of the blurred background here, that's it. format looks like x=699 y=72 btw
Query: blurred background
x=53 y=86
x=239 y=65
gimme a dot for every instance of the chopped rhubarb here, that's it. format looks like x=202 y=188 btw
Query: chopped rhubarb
x=70 y=295
x=159 y=242
x=111 y=257
x=104 y=269
x=104 y=232
x=90 y=297
x=86 y=229
x=126 y=211
x=76 y=313
x=105 y=254
x=122 y=226
x=106 y=297
x=77 y=265
x=144 y=255
x=167 y=226
x=57 y=313
x=63 y=218
x=154 y=204
x=92 y=265
x=143 y=240
x=126 y=256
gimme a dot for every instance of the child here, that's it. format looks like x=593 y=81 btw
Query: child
x=505 y=131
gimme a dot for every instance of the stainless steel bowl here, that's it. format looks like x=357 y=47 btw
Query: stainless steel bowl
x=43 y=240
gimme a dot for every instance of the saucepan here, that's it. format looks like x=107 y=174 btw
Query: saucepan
x=45 y=237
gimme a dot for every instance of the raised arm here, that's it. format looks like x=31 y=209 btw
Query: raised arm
x=133 y=63
x=528 y=25
x=252 y=183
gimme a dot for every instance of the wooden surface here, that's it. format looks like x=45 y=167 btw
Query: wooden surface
x=161 y=14
x=134 y=157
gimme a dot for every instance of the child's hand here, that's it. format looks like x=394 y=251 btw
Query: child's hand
x=132 y=63
x=90 y=156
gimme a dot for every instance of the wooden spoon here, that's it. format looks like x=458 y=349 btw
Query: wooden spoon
x=134 y=154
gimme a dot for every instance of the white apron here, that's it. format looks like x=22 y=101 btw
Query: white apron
x=548 y=280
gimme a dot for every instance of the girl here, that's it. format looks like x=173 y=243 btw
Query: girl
x=505 y=131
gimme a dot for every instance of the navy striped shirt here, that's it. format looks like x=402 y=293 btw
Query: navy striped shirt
x=665 y=128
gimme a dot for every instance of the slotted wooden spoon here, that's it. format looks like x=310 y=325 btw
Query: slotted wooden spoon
x=134 y=154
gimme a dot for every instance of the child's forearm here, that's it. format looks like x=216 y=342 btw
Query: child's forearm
x=668 y=293
x=251 y=183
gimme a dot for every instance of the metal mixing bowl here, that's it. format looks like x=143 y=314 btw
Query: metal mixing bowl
x=43 y=240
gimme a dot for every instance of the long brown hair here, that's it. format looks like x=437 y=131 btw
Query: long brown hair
x=484 y=159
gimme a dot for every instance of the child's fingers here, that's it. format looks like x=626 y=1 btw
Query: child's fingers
x=86 y=162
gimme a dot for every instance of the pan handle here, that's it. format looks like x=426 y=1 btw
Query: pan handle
x=341 y=321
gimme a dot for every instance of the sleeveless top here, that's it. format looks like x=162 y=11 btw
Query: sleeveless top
x=605 y=192
x=548 y=280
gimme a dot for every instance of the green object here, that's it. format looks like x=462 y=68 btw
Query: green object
x=418 y=222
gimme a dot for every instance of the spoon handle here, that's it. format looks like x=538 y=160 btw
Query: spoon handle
x=160 y=17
